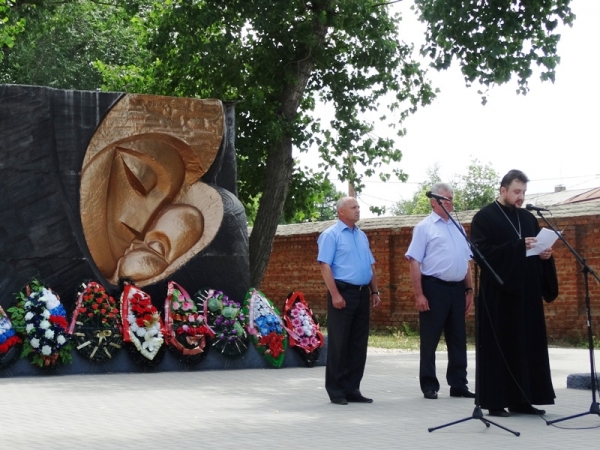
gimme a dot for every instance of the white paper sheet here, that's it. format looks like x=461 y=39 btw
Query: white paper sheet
x=545 y=239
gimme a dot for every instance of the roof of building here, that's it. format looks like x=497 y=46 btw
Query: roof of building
x=563 y=197
x=571 y=209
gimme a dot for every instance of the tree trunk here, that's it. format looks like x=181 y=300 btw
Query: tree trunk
x=279 y=163
x=280 y=166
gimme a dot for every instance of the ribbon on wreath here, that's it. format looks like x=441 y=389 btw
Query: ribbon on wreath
x=76 y=312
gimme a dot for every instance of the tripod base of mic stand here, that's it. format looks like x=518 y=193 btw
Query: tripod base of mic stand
x=477 y=415
x=594 y=409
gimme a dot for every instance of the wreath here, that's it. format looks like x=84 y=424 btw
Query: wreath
x=96 y=323
x=226 y=319
x=41 y=319
x=142 y=326
x=303 y=330
x=10 y=342
x=187 y=331
x=265 y=327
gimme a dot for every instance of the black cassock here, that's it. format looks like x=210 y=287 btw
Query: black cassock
x=512 y=344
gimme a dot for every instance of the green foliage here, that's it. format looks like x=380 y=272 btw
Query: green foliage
x=63 y=41
x=408 y=330
x=17 y=312
x=471 y=191
x=10 y=27
x=495 y=39
x=419 y=204
x=477 y=188
x=17 y=317
x=311 y=199
x=378 y=210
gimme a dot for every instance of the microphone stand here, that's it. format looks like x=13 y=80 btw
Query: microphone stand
x=594 y=408
x=477 y=413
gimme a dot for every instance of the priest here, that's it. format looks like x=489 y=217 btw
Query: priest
x=514 y=368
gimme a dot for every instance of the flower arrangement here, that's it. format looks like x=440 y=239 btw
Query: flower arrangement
x=41 y=318
x=10 y=342
x=142 y=325
x=187 y=331
x=96 y=323
x=304 y=332
x=226 y=319
x=265 y=327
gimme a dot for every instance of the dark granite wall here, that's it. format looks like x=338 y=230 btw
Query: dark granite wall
x=44 y=134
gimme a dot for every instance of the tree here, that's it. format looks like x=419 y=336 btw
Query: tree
x=63 y=41
x=495 y=39
x=419 y=204
x=320 y=203
x=471 y=191
x=313 y=199
x=477 y=188
x=9 y=28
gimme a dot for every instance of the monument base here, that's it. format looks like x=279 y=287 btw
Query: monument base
x=579 y=381
x=122 y=362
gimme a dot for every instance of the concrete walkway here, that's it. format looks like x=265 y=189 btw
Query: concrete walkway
x=277 y=408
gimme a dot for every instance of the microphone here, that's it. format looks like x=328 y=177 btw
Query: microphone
x=530 y=207
x=437 y=196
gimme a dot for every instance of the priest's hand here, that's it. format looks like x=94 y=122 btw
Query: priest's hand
x=546 y=254
x=421 y=303
x=530 y=242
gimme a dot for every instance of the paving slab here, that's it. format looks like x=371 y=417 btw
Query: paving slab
x=277 y=408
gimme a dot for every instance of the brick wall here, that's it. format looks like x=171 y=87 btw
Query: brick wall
x=293 y=266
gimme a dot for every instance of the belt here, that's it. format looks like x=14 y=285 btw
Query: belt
x=444 y=282
x=344 y=285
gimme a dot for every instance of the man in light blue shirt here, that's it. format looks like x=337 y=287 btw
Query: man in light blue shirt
x=347 y=267
x=441 y=279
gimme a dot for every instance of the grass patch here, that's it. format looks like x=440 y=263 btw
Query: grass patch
x=576 y=342
x=397 y=339
x=405 y=338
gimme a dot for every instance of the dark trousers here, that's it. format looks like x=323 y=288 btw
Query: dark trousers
x=348 y=337
x=446 y=313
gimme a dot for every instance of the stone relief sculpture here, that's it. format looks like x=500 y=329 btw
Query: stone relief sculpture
x=144 y=210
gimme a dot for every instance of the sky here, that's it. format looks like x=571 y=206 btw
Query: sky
x=551 y=133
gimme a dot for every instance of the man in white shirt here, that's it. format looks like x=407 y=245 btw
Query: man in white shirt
x=441 y=279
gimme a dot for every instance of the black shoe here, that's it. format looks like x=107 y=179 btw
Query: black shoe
x=499 y=412
x=339 y=400
x=465 y=393
x=358 y=398
x=430 y=394
x=526 y=409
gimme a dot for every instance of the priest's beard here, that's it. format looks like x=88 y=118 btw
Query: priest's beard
x=512 y=206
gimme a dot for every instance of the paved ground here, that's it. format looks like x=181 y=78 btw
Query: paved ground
x=272 y=409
